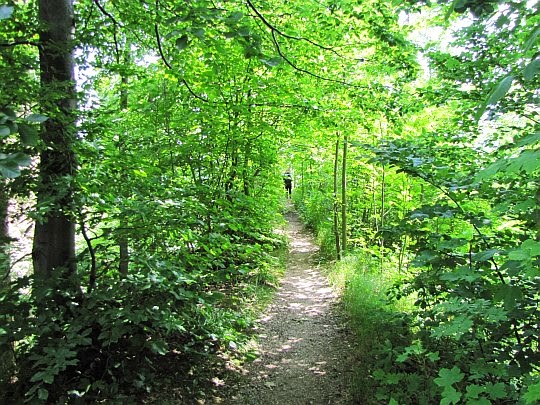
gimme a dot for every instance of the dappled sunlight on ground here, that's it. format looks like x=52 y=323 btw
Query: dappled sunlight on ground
x=302 y=341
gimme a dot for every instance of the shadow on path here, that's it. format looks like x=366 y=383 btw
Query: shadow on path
x=305 y=354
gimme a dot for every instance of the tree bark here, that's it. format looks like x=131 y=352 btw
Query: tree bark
x=54 y=237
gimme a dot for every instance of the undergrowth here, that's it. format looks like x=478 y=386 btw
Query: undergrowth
x=376 y=323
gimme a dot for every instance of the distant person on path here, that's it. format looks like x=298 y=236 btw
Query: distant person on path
x=287 y=179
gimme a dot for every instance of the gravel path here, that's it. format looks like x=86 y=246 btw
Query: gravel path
x=305 y=354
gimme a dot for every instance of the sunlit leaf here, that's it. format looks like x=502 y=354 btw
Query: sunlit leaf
x=496 y=94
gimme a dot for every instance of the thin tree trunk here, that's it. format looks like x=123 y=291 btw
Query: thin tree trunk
x=336 y=208
x=54 y=237
x=537 y=214
x=383 y=202
x=344 y=199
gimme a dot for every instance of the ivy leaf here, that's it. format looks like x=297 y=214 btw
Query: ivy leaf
x=182 y=42
x=29 y=135
x=496 y=94
x=5 y=11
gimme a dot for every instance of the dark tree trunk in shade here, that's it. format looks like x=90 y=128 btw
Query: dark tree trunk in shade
x=54 y=238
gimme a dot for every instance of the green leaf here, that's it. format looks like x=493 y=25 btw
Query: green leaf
x=198 y=32
x=474 y=391
x=510 y=295
x=38 y=118
x=496 y=94
x=43 y=394
x=29 y=134
x=22 y=159
x=159 y=347
x=234 y=17
x=271 y=62
x=531 y=70
x=244 y=31
x=5 y=11
x=526 y=251
x=450 y=396
x=182 y=42
x=448 y=377
x=532 y=39
x=532 y=395
x=9 y=169
x=4 y=130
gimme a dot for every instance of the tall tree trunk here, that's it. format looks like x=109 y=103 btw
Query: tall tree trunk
x=336 y=207
x=344 y=199
x=54 y=238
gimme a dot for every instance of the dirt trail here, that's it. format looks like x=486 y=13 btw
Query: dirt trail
x=304 y=346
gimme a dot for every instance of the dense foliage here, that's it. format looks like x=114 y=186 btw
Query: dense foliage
x=449 y=198
x=411 y=132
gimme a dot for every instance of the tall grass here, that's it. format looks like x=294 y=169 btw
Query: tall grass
x=376 y=322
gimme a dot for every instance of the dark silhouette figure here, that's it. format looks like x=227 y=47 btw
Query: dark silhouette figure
x=287 y=180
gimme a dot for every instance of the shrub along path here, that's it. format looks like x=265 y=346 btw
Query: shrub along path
x=305 y=348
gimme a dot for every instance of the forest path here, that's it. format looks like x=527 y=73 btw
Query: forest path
x=305 y=349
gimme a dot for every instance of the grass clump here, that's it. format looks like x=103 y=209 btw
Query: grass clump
x=377 y=323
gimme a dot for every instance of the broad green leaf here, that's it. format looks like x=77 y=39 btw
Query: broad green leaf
x=474 y=391
x=271 y=62
x=526 y=251
x=532 y=396
x=528 y=161
x=182 y=42
x=234 y=17
x=5 y=11
x=29 y=134
x=38 y=118
x=509 y=294
x=198 y=32
x=244 y=31
x=532 y=39
x=4 y=130
x=447 y=377
x=9 y=169
x=485 y=255
x=43 y=394
x=159 y=347
x=531 y=70
x=496 y=94
x=21 y=159
x=450 y=396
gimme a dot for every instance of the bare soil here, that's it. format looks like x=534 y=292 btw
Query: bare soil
x=305 y=348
